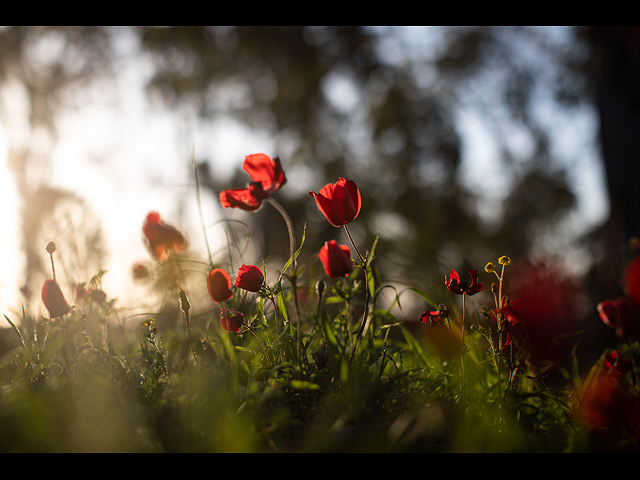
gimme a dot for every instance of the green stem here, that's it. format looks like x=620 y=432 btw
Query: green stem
x=294 y=276
x=364 y=326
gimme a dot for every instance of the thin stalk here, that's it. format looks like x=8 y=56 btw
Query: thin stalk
x=364 y=326
x=462 y=369
x=199 y=201
x=275 y=313
x=294 y=276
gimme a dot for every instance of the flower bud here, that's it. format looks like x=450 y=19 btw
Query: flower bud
x=490 y=267
x=51 y=247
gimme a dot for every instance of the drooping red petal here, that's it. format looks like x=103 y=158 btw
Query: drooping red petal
x=453 y=283
x=249 y=278
x=54 y=300
x=219 y=285
x=475 y=286
x=242 y=198
x=339 y=202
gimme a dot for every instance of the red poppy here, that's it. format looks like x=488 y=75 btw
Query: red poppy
x=54 y=300
x=617 y=363
x=162 y=238
x=219 y=285
x=231 y=321
x=435 y=317
x=621 y=315
x=339 y=202
x=336 y=259
x=510 y=311
x=454 y=284
x=267 y=176
x=250 y=278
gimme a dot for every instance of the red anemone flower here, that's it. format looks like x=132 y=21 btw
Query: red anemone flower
x=54 y=300
x=339 y=202
x=161 y=237
x=454 y=284
x=231 y=321
x=435 y=317
x=336 y=259
x=621 y=315
x=617 y=363
x=250 y=278
x=219 y=285
x=267 y=176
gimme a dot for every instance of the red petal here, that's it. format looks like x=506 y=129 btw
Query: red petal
x=54 y=300
x=219 y=285
x=336 y=259
x=241 y=198
x=249 y=278
x=340 y=202
x=261 y=168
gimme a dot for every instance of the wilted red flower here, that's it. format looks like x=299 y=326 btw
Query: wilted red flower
x=339 y=202
x=162 y=238
x=621 y=315
x=231 y=321
x=267 y=176
x=219 y=285
x=54 y=300
x=435 y=317
x=336 y=259
x=617 y=363
x=249 y=278
x=510 y=311
x=454 y=284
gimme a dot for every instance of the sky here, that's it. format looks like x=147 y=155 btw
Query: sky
x=126 y=156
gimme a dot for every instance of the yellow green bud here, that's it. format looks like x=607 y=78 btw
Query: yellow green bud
x=489 y=267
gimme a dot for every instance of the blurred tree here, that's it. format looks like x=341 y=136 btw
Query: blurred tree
x=399 y=135
x=42 y=70
x=397 y=132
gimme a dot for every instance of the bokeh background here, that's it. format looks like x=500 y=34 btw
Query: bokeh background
x=467 y=143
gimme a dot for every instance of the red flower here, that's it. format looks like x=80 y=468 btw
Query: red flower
x=339 y=202
x=435 y=317
x=219 y=285
x=617 y=364
x=454 y=284
x=54 y=300
x=250 y=278
x=510 y=311
x=231 y=321
x=267 y=176
x=621 y=315
x=162 y=238
x=336 y=259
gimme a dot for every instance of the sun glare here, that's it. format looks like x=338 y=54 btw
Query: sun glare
x=9 y=239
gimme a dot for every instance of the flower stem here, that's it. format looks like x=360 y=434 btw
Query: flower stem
x=294 y=276
x=364 y=326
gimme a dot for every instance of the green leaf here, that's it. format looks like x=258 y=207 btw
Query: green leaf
x=15 y=329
